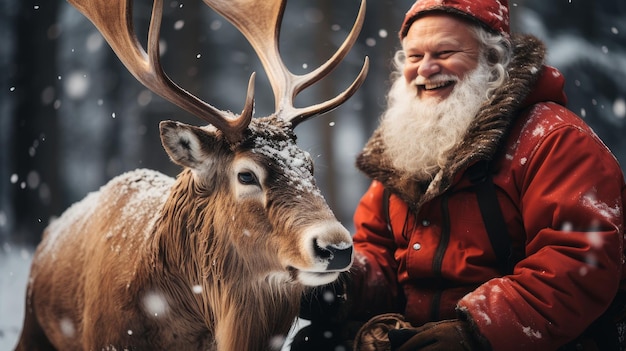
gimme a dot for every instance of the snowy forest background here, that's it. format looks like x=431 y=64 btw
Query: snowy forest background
x=72 y=117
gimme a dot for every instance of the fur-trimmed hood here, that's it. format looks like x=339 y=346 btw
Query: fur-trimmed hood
x=530 y=81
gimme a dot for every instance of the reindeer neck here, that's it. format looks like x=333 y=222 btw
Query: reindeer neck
x=255 y=317
x=174 y=267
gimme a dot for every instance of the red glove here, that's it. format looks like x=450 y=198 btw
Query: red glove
x=448 y=335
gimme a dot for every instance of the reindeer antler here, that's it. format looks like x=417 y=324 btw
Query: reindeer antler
x=259 y=21
x=113 y=18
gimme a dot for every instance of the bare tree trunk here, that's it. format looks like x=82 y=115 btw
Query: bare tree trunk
x=34 y=123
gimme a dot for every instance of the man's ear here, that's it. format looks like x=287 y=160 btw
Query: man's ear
x=187 y=145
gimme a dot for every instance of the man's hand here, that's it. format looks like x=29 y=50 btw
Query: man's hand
x=448 y=335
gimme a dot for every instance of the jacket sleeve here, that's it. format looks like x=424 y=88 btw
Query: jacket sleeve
x=373 y=277
x=571 y=207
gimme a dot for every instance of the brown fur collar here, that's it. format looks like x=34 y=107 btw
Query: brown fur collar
x=483 y=137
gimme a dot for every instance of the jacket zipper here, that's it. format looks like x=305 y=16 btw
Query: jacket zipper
x=438 y=259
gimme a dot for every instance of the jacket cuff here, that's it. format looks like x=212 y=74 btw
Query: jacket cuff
x=464 y=316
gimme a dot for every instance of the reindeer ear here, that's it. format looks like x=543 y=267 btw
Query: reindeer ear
x=187 y=145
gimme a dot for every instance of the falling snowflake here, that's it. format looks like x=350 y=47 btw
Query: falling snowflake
x=155 y=304
x=67 y=327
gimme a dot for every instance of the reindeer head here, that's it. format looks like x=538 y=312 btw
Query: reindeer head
x=255 y=162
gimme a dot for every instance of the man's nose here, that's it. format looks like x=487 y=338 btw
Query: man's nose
x=428 y=66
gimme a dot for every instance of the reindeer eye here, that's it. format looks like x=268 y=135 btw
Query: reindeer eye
x=247 y=178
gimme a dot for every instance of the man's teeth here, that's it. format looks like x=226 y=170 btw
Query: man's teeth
x=431 y=86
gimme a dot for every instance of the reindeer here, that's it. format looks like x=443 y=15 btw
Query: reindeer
x=216 y=259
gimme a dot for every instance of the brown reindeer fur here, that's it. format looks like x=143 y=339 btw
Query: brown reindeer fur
x=149 y=263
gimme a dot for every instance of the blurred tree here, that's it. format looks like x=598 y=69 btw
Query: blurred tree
x=34 y=159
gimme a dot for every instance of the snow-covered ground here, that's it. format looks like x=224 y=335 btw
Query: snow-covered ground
x=14 y=267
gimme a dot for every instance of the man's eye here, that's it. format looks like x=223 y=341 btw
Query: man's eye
x=247 y=178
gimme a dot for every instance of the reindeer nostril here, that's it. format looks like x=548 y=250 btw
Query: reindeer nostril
x=321 y=252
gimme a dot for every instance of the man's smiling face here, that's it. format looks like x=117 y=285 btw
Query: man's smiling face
x=440 y=50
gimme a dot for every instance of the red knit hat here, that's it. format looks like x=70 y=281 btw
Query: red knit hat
x=491 y=14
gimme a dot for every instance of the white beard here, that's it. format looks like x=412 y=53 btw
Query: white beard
x=420 y=135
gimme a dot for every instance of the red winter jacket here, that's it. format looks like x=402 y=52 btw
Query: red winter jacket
x=560 y=191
